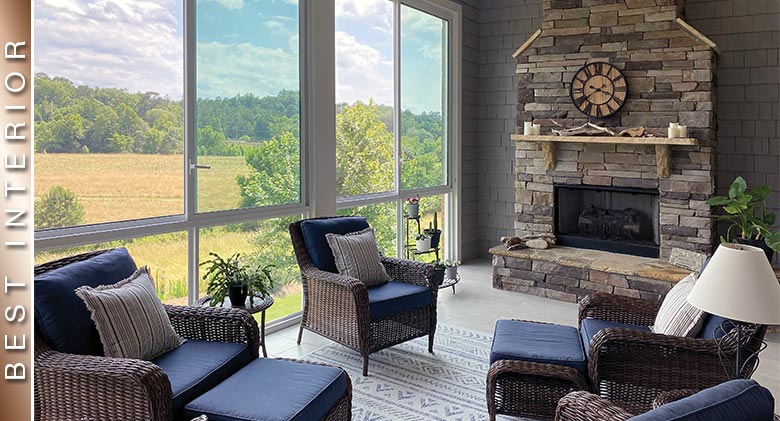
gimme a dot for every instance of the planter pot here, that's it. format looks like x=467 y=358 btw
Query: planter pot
x=435 y=237
x=413 y=210
x=237 y=295
x=758 y=243
x=438 y=276
x=451 y=272
x=423 y=245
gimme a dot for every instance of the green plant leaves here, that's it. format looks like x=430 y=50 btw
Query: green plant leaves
x=737 y=188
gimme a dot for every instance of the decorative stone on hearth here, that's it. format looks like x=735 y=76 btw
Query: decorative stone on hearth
x=534 y=241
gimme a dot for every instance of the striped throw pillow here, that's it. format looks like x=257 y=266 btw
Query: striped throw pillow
x=357 y=256
x=130 y=319
x=676 y=316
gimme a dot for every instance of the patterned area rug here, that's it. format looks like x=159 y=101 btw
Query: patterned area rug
x=405 y=382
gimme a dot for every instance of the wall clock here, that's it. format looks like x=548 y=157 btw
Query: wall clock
x=599 y=90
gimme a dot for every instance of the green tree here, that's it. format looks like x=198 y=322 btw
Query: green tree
x=276 y=173
x=57 y=208
x=364 y=151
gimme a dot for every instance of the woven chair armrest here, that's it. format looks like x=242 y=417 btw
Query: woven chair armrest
x=503 y=367
x=69 y=386
x=585 y=406
x=672 y=395
x=409 y=271
x=221 y=324
x=619 y=309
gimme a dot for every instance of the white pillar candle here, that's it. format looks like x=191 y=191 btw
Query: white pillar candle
x=537 y=129
x=683 y=130
x=674 y=130
x=527 y=128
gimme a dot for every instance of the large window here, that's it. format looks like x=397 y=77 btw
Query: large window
x=247 y=111
x=392 y=136
x=109 y=121
x=179 y=128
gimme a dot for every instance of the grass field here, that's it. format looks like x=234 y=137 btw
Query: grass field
x=132 y=186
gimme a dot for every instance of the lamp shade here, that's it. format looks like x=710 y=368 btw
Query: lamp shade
x=738 y=284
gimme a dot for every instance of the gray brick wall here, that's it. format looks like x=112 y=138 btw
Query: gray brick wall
x=748 y=34
x=503 y=26
x=470 y=228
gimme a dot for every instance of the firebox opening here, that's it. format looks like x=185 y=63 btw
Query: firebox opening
x=615 y=219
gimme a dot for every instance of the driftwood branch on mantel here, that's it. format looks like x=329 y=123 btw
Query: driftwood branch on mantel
x=662 y=146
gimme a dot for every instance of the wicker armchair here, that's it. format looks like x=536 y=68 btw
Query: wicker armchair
x=631 y=368
x=69 y=386
x=585 y=406
x=336 y=306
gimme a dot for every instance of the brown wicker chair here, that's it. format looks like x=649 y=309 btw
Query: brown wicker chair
x=631 y=368
x=585 y=406
x=73 y=387
x=336 y=306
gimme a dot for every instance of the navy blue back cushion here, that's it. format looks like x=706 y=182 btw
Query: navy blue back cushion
x=735 y=400
x=314 y=231
x=61 y=316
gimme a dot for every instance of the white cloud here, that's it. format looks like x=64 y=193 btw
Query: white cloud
x=229 y=69
x=230 y=4
x=377 y=14
x=273 y=25
x=362 y=72
x=132 y=44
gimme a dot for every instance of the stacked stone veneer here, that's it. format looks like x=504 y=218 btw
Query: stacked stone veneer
x=671 y=79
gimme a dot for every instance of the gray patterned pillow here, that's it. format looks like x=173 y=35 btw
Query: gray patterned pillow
x=130 y=319
x=357 y=256
x=677 y=317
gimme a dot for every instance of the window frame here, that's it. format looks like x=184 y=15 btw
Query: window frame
x=315 y=200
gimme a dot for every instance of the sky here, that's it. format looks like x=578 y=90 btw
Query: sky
x=243 y=46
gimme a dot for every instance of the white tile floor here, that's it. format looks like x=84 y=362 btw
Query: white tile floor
x=476 y=305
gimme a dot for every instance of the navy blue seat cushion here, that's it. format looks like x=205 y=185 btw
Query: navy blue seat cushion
x=395 y=297
x=61 y=316
x=537 y=342
x=197 y=366
x=314 y=231
x=590 y=327
x=269 y=389
x=735 y=400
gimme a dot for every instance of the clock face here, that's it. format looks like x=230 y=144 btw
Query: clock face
x=599 y=89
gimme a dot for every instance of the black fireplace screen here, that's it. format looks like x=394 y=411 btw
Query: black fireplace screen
x=620 y=220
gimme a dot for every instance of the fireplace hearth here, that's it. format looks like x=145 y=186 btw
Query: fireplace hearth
x=619 y=220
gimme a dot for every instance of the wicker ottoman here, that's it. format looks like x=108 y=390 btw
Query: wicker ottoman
x=532 y=366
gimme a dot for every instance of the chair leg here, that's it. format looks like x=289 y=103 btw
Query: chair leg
x=430 y=342
x=365 y=364
x=300 y=333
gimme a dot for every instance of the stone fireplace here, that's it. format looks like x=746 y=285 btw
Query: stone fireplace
x=669 y=67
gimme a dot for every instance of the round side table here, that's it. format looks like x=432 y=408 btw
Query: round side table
x=261 y=304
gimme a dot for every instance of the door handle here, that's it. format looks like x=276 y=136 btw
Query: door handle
x=194 y=166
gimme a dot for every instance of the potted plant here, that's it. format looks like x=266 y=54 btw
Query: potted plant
x=746 y=211
x=236 y=279
x=451 y=268
x=413 y=206
x=438 y=271
x=433 y=231
x=423 y=242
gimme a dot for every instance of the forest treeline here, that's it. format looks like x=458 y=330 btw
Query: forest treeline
x=82 y=119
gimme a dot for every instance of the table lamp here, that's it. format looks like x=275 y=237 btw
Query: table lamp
x=740 y=285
